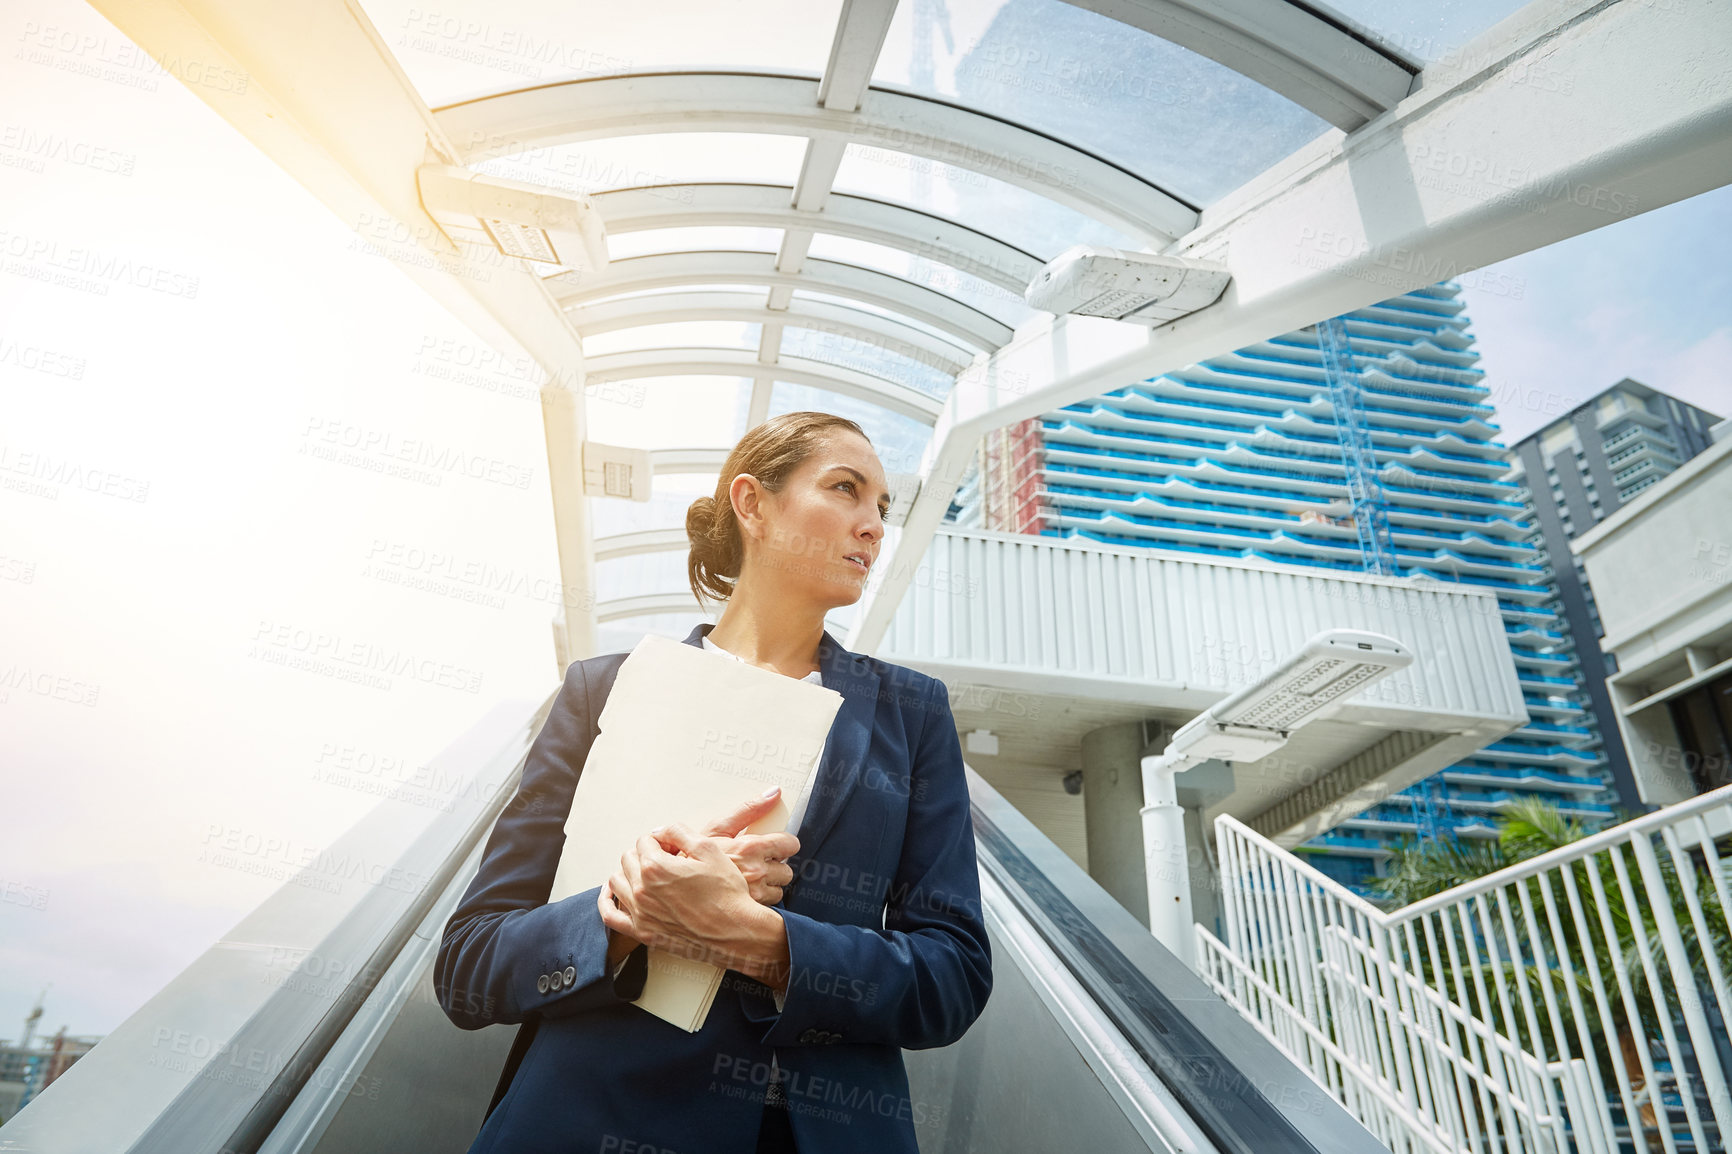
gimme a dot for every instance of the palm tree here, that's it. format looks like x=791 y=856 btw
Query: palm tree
x=1529 y=828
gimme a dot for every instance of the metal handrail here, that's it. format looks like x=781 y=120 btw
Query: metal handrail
x=1420 y=1016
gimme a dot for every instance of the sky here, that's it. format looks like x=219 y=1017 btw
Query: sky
x=203 y=376
x=1649 y=297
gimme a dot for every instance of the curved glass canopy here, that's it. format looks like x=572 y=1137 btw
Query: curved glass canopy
x=839 y=206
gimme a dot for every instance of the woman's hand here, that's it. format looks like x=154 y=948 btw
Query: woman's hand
x=760 y=857
x=694 y=902
x=760 y=860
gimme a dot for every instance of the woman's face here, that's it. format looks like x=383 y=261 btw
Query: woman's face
x=831 y=510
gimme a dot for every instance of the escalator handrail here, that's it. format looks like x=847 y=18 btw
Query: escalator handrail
x=1230 y=1107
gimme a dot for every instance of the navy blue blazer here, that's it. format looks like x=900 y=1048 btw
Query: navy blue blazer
x=885 y=935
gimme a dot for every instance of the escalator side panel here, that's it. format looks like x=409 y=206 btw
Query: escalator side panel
x=1015 y=1082
x=426 y=1087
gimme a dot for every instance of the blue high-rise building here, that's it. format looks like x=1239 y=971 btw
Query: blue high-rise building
x=1365 y=443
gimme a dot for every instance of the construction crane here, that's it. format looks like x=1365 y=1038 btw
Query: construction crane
x=1431 y=808
x=1364 y=489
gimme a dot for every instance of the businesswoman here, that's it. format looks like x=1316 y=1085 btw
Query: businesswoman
x=853 y=937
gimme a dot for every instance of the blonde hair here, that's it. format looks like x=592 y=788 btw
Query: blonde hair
x=771 y=452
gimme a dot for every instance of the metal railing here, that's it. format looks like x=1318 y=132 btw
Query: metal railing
x=1577 y=1001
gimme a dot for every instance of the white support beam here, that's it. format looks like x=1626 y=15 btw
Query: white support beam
x=616 y=545
x=860 y=32
x=636 y=104
x=1326 y=68
x=769 y=342
x=759 y=408
x=687 y=461
x=674 y=270
x=646 y=605
x=818 y=172
x=1459 y=176
x=746 y=306
x=855 y=217
x=327 y=102
x=795 y=244
x=646 y=364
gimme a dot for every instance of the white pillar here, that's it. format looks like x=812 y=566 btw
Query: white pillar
x=1165 y=859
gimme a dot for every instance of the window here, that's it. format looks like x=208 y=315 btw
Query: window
x=1703 y=720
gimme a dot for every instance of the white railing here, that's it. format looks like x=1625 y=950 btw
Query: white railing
x=1576 y=1002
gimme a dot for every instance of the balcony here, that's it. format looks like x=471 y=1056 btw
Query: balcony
x=1022 y=628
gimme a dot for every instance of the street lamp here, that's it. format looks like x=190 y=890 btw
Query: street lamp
x=1245 y=727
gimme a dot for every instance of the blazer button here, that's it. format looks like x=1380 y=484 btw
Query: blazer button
x=541 y=984
x=570 y=975
x=807 y=1035
x=555 y=980
x=833 y=1039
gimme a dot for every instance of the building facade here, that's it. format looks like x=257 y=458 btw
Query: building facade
x=1365 y=443
x=1575 y=473
x=1662 y=566
x=27 y=1069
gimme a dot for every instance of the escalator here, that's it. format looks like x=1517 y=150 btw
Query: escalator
x=312 y=1027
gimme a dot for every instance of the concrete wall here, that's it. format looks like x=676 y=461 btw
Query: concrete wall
x=1661 y=571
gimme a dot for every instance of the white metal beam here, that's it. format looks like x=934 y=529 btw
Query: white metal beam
x=1458 y=176
x=632 y=105
x=860 y=32
x=856 y=217
x=616 y=545
x=327 y=102
x=1316 y=63
x=646 y=605
x=650 y=363
x=687 y=460
x=747 y=307
x=881 y=290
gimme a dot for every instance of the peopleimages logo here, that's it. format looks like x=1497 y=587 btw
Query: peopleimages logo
x=318 y=651
x=45 y=254
x=332 y=438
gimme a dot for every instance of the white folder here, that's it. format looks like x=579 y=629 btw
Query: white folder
x=687 y=736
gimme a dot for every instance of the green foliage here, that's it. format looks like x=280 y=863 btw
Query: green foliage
x=1557 y=956
x=1419 y=870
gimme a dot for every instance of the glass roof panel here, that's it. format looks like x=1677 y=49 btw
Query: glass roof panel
x=989 y=298
x=642 y=574
x=458 y=53
x=898 y=440
x=852 y=353
x=668 y=412
x=655 y=158
x=623 y=635
x=1428 y=33
x=670 y=495
x=1031 y=222
x=696 y=239
x=676 y=335
x=862 y=306
x=1179 y=120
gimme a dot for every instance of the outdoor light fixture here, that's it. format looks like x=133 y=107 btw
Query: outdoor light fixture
x=1248 y=725
x=528 y=221
x=616 y=471
x=1143 y=287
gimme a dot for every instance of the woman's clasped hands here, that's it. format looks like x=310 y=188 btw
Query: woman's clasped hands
x=703 y=893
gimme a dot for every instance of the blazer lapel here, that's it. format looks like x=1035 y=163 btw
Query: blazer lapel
x=844 y=757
